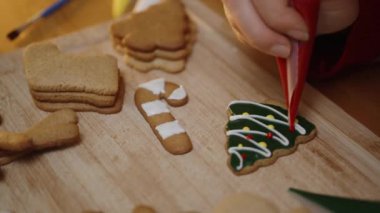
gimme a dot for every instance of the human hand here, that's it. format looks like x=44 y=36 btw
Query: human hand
x=267 y=25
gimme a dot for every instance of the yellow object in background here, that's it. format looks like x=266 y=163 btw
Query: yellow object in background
x=74 y=16
x=119 y=7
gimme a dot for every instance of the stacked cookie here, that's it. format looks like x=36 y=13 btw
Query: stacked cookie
x=82 y=83
x=158 y=37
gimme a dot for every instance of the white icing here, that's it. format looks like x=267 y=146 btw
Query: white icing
x=252 y=132
x=283 y=140
x=155 y=107
x=169 y=129
x=298 y=127
x=178 y=94
x=142 y=5
x=260 y=150
x=156 y=86
x=277 y=136
x=234 y=150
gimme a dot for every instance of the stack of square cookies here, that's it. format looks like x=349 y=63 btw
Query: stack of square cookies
x=82 y=83
x=159 y=37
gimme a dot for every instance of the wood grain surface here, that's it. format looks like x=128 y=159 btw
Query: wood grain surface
x=120 y=162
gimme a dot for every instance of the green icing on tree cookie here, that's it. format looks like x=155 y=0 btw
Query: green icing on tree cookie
x=256 y=130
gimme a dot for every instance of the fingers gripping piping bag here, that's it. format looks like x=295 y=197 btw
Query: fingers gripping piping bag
x=293 y=70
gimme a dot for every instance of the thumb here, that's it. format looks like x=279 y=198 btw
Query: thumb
x=336 y=15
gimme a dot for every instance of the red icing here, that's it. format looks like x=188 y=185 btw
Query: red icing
x=269 y=135
x=244 y=156
x=249 y=137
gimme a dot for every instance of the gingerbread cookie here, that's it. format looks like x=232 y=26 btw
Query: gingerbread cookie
x=143 y=209
x=82 y=106
x=171 y=134
x=83 y=83
x=259 y=133
x=158 y=63
x=154 y=44
x=245 y=202
x=77 y=97
x=160 y=26
x=164 y=54
x=59 y=129
x=49 y=70
x=14 y=142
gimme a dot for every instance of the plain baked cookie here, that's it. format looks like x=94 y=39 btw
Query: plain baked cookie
x=85 y=107
x=244 y=203
x=59 y=129
x=258 y=134
x=164 y=54
x=143 y=209
x=76 y=97
x=49 y=70
x=171 y=134
x=158 y=63
x=160 y=26
x=161 y=49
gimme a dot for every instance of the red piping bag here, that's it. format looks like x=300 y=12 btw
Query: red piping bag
x=293 y=70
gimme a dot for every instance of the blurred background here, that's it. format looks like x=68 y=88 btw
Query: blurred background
x=356 y=92
x=73 y=16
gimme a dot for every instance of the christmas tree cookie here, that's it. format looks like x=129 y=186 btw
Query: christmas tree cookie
x=259 y=133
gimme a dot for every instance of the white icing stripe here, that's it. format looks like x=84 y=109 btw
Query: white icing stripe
x=260 y=150
x=156 y=86
x=142 y=5
x=231 y=151
x=155 y=107
x=235 y=131
x=178 y=94
x=169 y=129
x=284 y=141
x=298 y=127
x=234 y=150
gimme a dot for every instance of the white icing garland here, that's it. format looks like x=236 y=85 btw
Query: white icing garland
x=252 y=132
x=234 y=150
x=298 y=127
x=169 y=129
x=278 y=136
x=284 y=141
x=260 y=150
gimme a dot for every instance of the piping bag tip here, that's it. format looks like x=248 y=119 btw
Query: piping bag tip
x=293 y=70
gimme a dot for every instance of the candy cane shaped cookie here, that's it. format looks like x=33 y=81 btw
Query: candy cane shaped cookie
x=148 y=99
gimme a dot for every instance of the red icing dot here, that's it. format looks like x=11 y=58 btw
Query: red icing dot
x=244 y=156
x=269 y=135
x=249 y=137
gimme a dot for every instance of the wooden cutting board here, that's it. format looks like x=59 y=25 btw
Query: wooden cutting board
x=120 y=163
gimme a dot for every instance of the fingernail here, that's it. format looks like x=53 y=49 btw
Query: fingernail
x=300 y=35
x=280 y=50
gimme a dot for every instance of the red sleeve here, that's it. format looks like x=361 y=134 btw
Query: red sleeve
x=359 y=44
